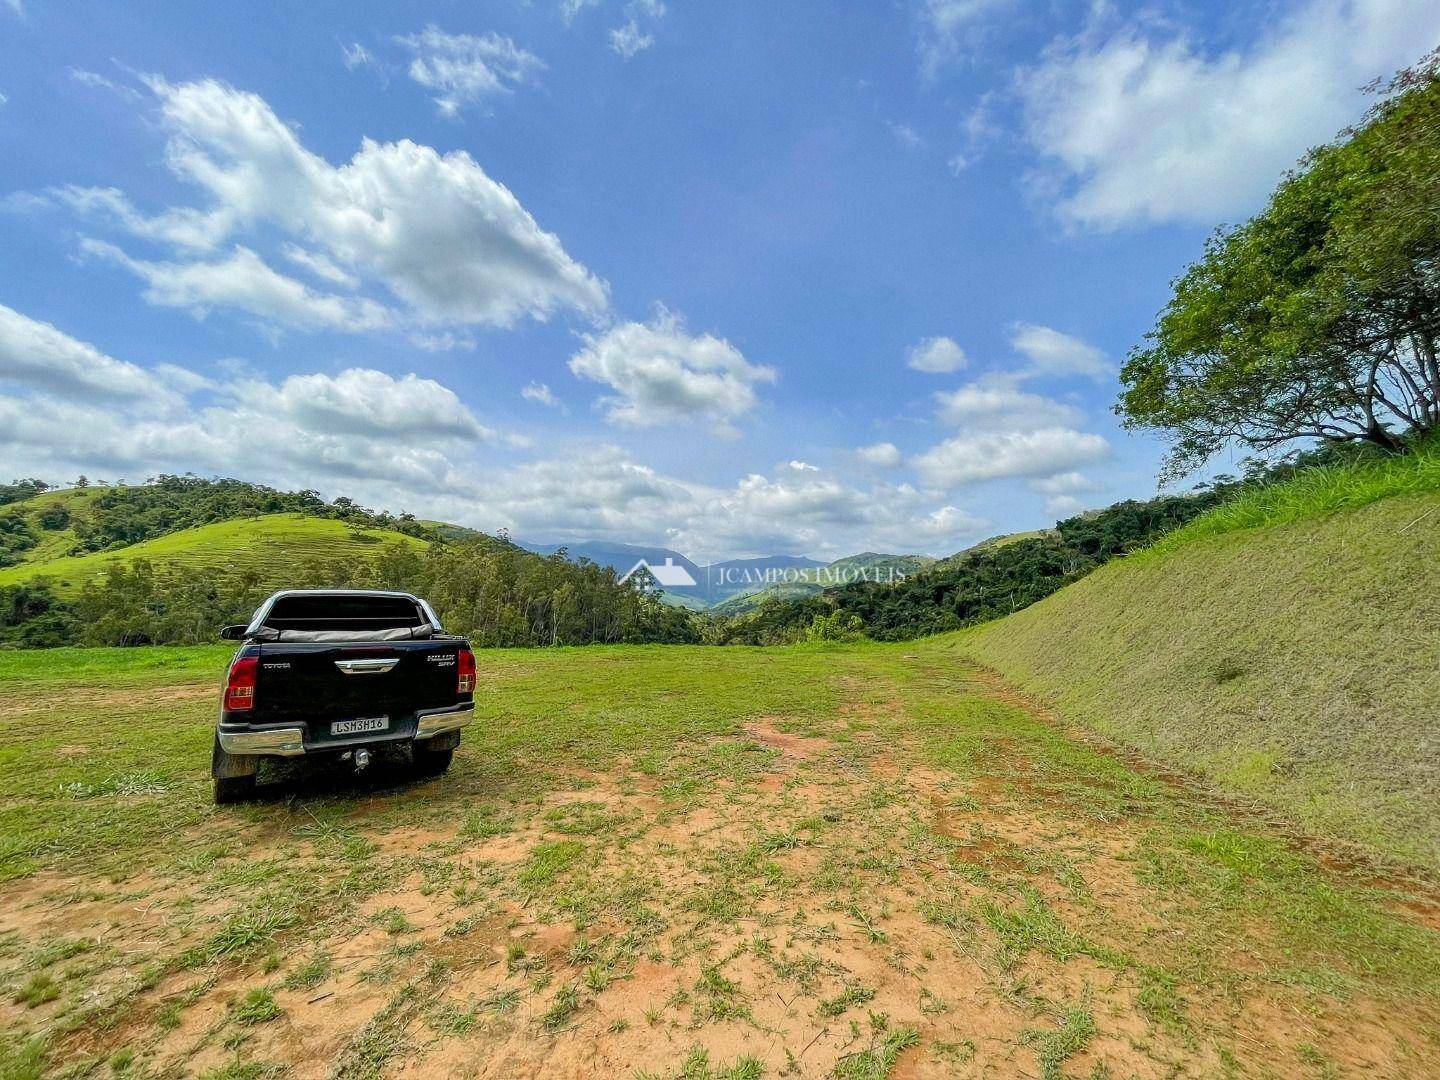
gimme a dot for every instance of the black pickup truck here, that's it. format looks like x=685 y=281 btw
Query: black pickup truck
x=332 y=673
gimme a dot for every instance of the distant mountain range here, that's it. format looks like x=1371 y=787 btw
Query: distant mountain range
x=734 y=585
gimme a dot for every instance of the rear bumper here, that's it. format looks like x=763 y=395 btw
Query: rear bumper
x=282 y=742
x=291 y=742
x=432 y=722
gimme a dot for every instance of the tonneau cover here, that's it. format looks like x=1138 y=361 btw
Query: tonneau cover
x=394 y=633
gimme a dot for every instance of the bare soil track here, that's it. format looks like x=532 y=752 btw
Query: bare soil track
x=885 y=888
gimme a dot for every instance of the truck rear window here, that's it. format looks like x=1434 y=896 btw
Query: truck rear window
x=321 y=611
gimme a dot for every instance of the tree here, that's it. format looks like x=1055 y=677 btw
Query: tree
x=1319 y=317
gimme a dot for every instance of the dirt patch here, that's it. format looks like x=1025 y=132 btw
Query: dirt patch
x=795 y=747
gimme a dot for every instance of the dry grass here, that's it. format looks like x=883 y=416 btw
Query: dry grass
x=1299 y=663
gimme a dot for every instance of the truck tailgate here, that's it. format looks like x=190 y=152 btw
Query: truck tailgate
x=319 y=683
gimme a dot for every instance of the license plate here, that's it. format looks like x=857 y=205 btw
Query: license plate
x=351 y=727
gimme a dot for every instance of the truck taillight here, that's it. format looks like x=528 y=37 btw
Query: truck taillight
x=240 y=686
x=465 y=665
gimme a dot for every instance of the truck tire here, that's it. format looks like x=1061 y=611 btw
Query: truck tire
x=234 y=789
x=234 y=775
x=432 y=762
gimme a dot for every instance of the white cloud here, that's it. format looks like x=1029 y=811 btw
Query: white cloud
x=361 y=432
x=1151 y=127
x=541 y=394
x=410 y=443
x=181 y=226
x=448 y=241
x=362 y=401
x=1066 y=483
x=1052 y=353
x=905 y=135
x=996 y=403
x=356 y=56
x=664 y=375
x=976 y=456
x=321 y=266
x=949 y=29
x=936 y=356
x=883 y=454
x=1062 y=489
x=628 y=39
x=465 y=69
x=245 y=282
x=97 y=81
x=445 y=342
x=36 y=355
x=570 y=8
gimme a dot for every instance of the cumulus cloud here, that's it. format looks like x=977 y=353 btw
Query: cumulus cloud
x=886 y=455
x=465 y=69
x=447 y=241
x=936 y=356
x=975 y=456
x=664 y=375
x=360 y=427
x=1063 y=489
x=996 y=403
x=367 y=402
x=1006 y=431
x=410 y=443
x=1144 y=126
x=1066 y=483
x=244 y=281
x=320 y=266
x=36 y=355
x=1063 y=506
x=1052 y=353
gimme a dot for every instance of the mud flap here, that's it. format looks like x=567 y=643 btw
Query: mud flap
x=446 y=740
x=224 y=765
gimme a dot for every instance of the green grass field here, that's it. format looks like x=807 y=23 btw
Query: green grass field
x=271 y=544
x=858 y=861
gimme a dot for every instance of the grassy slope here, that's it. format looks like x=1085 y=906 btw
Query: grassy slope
x=1287 y=645
x=272 y=544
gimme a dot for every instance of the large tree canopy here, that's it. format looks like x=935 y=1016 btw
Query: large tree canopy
x=1319 y=317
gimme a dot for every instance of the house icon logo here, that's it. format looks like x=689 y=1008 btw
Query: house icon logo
x=668 y=574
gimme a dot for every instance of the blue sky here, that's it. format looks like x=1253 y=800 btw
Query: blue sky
x=734 y=278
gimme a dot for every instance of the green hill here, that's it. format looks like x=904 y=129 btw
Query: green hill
x=1286 y=645
x=271 y=545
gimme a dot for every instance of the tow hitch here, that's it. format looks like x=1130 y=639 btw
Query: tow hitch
x=360 y=758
